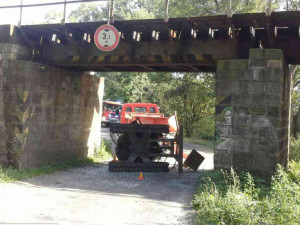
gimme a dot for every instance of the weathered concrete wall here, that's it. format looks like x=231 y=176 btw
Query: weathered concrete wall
x=252 y=112
x=3 y=152
x=49 y=113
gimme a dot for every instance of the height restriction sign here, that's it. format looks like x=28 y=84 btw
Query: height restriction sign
x=106 y=38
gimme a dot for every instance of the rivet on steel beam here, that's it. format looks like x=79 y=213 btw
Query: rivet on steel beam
x=53 y=37
x=275 y=31
x=194 y=33
x=252 y=31
x=230 y=32
x=173 y=33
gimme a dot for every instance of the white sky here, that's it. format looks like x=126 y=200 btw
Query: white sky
x=32 y=15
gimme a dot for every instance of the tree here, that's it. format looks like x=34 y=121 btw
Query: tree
x=87 y=12
x=53 y=17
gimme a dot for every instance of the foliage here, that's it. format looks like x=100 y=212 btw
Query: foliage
x=234 y=199
x=104 y=152
x=192 y=97
x=10 y=174
x=53 y=17
x=295 y=148
x=87 y=12
x=200 y=141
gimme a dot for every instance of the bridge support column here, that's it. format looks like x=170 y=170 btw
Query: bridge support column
x=252 y=113
x=47 y=114
x=3 y=151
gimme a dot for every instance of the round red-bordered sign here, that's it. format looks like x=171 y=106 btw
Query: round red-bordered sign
x=106 y=38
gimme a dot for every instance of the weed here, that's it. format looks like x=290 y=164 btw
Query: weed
x=104 y=152
x=10 y=174
x=243 y=199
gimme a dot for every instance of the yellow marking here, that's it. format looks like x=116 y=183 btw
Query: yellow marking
x=17 y=131
x=100 y=58
x=126 y=59
x=114 y=58
x=167 y=58
x=75 y=58
x=200 y=58
x=150 y=58
x=23 y=95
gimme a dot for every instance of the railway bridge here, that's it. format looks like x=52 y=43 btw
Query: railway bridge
x=49 y=105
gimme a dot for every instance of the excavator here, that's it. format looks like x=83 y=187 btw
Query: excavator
x=145 y=138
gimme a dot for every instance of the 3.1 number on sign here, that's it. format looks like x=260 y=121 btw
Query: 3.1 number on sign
x=106 y=38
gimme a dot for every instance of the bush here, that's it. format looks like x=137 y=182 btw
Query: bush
x=104 y=152
x=247 y=200
x=205 y=128
x=295 y=148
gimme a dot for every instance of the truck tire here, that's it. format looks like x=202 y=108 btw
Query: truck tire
x=122 y=148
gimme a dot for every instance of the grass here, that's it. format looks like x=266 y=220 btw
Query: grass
x=10 y=174
x=104 y=152
x=229 y=198
x=198 y=141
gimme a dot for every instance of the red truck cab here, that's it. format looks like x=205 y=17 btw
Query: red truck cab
x=140 y=110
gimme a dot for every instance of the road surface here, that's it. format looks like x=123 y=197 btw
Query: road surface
x=91 y=195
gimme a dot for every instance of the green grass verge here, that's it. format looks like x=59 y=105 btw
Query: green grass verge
x=229 y=198
x=199 y=141
x=10 y=174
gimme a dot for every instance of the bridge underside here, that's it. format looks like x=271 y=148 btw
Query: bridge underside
x=181 y=45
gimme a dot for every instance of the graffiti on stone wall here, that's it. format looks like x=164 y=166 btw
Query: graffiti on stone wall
x=239 y=127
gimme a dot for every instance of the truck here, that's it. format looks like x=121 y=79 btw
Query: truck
x=111 y=113
x=144 y=136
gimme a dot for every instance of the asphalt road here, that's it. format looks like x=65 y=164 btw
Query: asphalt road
x=93 y=196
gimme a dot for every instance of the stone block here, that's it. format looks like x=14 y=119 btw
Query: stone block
x=265 y=162
x=269 y=54
x=273 y=112
x=274 y=73
x=222 y=159
x=223 y=87
x=254 y=64
x=243 y=161
x=275 y=63
x=238 y=64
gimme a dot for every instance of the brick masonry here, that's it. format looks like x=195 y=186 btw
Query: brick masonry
x=252 y=112
x=47 y=114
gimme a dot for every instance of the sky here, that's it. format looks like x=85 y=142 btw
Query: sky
x=32 y=15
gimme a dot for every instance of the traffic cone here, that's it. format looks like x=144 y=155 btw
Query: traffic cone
x=141 y=176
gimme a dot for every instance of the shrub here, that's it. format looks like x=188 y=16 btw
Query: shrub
x=104 y=152
x=244 y=199
x=295 y=148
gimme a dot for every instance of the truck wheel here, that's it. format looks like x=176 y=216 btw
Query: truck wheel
x=123 y=147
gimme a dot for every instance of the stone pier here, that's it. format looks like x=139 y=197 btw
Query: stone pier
x=252 y=112
x=47 y=114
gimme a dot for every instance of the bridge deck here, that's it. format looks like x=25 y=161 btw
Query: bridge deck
x=182 y=44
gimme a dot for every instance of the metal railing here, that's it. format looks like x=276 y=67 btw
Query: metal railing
x=65 y=3
x=110 y=19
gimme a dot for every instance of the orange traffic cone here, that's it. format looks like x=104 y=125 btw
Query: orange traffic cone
x=141 y=176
